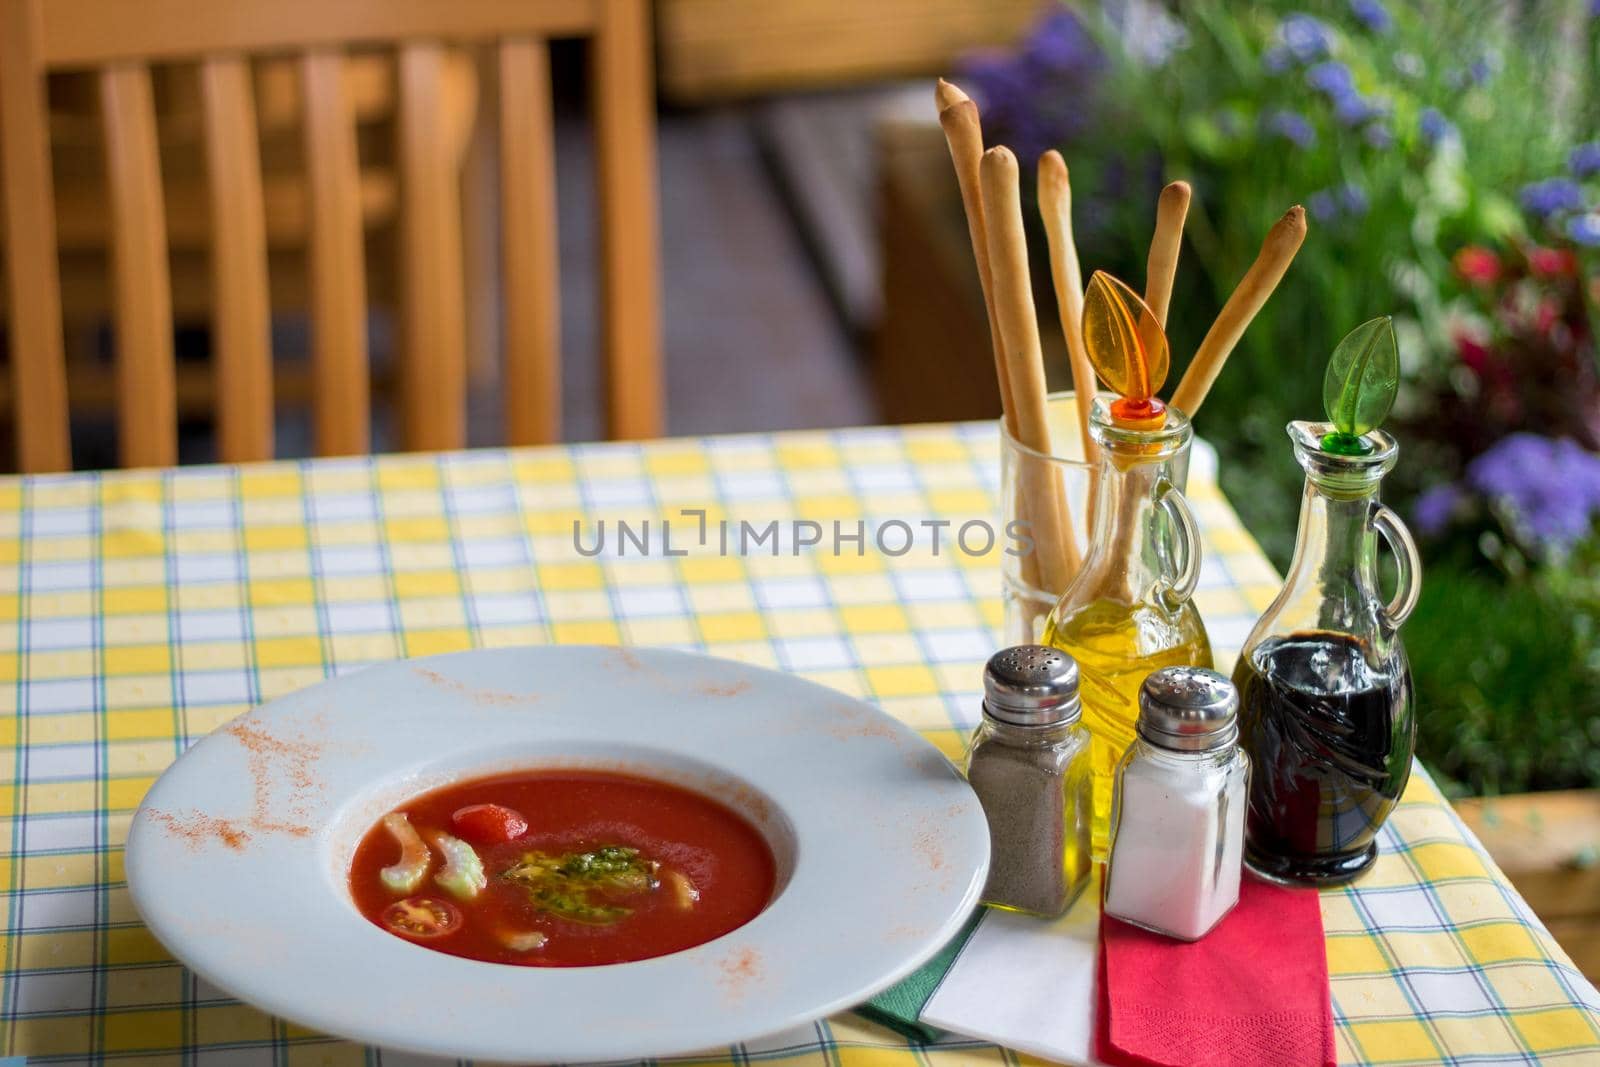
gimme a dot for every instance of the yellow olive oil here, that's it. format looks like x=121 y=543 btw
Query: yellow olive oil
x=1116 y=646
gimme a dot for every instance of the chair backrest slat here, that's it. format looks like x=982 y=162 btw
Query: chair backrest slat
x=528 y=245
x=147 y=428
x=242 y=327
x=38 y=365
x=84 y=33
x=338 y=297
x=625 y=165
x=433 y=381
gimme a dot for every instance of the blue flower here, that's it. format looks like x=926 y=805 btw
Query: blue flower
x=1551 y=196
x=1585 y=229
x=1353 y=109
x=1479 y=71
x=1372 y=14
x=1059 y=42
x=1277 y=59
x=1584 y=160
x=1324 y=206
x=1305 y=36
x=1551 y=487
x=1292 y=126
x=1331 y=77
x=1352 y=199
x=1435 y=128
x=1378 y=135
x=1436 y=507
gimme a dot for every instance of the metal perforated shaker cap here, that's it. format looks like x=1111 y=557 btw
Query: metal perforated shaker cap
x=1031 y=685
x=1188 y=709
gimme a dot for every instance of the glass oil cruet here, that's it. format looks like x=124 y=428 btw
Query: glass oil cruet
x=1128 y=612
x=1325 y=689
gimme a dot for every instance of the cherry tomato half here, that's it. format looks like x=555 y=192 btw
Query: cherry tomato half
x=422 y=917
x=489 y=824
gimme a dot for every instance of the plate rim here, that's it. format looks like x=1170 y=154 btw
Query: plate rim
x=278 y=998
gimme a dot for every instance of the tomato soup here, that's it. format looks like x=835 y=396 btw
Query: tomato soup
x=561 y=868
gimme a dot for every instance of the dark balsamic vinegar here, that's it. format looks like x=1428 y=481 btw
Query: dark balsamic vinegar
x=1330 y=738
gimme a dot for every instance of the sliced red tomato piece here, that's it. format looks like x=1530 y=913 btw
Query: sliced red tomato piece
x=423 y=918
x=489 y=824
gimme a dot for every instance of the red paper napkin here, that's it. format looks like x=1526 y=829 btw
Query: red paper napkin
x=1251 y=993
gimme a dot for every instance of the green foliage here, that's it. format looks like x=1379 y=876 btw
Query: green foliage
x=1465 y=102
x=1507 y=680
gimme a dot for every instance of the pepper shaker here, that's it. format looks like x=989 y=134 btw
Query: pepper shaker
x=1029 y=764
x=1178 y=811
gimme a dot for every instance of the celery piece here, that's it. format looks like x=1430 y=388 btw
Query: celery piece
x=462 y=876
x=406 y=875
x=520 y=941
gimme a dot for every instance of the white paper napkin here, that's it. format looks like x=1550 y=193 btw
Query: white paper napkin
x=1027 y=983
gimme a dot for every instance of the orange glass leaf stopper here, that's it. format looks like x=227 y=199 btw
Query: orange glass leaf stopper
x=1128 y=349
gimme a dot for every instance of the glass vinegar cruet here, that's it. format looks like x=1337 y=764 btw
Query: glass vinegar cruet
x=1129 y=610
x=1324 y=685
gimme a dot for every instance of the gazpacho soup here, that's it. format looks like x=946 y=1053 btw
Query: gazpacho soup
x=561 y=868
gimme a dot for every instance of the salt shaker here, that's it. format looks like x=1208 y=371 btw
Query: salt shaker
x=1029 y=764
x=1177 y=817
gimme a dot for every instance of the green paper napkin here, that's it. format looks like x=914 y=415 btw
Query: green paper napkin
x=900 y=1006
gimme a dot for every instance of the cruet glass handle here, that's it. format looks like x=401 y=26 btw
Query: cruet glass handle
x=1186 y=544
x=1408 y=563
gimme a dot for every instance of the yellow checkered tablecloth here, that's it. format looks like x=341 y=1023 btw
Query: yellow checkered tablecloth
x=140 y=610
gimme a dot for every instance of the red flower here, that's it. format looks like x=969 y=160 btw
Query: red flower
x=1473 y=352
x=1478 y=265
x=1552 y=262
x=1546 y=315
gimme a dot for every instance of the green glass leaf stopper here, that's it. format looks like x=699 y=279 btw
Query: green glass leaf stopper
x=1363 y=378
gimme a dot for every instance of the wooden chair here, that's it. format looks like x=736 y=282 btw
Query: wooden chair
x=118 y=40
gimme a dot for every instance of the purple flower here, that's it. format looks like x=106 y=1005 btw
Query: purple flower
x=1352 y=199
x=1292 y=126
x=1585 y=229
x=1479 y=71
x=1277 y=59
x=1043 y=94
x=1324 y=205
x=1551 y=487
x=1584 y=160
x=1342 y=201
x=1305 y=37
x=1436 y=507
x=1059 y=42
x=1354 y=109
x=1377 y=134
x=1331 y=77
x=1372 y=14
x=1435 y=128
x=1551 y=196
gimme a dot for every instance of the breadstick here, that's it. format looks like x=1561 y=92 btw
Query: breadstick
x=963 y=133
x=1055 y=208
x=1277 y=252
x=1162 y=268
x=1019 y=337
x=958 y=115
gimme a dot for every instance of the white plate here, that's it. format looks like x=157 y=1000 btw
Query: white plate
x=238 y=858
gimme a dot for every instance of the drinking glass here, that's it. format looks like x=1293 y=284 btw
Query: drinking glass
x=1029 y=589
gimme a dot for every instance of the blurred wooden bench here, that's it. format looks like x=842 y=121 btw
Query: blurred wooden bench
x=1548 y=844
x=712 y=49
